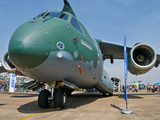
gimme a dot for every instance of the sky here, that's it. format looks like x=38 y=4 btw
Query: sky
x=109 y=20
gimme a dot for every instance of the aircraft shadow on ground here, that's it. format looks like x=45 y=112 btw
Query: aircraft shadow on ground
x=140 y=94
x=77 y=100
x=73 y=102
x=131 y=97
x=21 y=95
x=2 y=104
x=135 y=95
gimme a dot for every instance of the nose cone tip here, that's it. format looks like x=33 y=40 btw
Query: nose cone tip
x=30 y=46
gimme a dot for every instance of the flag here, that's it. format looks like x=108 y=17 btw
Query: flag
x=12 y=83
x=125 y=67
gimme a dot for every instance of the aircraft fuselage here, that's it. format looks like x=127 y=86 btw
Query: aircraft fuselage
x=55 y=46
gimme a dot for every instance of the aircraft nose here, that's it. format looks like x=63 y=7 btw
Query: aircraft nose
x=29 y=46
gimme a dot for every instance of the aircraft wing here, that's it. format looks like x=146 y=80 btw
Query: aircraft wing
x=112 y=50
x=115 y=51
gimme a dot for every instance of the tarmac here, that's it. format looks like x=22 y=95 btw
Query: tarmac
x=82 y=106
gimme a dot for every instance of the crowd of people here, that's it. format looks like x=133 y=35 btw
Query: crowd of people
x=130 y=88
x=4 y=87
x=153 y=88
x=136 y=88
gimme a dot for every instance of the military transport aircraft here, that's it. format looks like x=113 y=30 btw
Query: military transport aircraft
x=55 y=48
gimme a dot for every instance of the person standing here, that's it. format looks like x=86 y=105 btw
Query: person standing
x=148 y=88
x=0 y=87
x=130 y=88
x=156 y=88
x=136 y=88
x=123 y=88
x=4 y=87
x=151 y=88
x=19 y=88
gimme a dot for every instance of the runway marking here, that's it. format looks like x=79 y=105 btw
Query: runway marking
x=44 y=111
x=36 y=113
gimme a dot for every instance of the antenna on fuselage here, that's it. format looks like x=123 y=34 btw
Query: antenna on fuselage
x=68 y=8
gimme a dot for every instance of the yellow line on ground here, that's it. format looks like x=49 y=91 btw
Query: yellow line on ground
x=36 y=113
x=43 y=111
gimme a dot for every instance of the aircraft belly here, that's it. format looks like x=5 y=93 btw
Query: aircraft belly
x=105 y=85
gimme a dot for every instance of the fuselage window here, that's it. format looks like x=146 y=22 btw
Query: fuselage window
x=75 y=24
x=58 y=15
x=84 y=31
x=64 y=16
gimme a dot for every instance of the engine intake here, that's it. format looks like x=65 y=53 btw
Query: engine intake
x=8 y=66
x=141 y=59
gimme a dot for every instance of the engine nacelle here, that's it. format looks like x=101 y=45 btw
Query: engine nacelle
x=141 y=59
x=8 y=66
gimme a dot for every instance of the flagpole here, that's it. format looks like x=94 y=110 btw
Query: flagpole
x=125 y=76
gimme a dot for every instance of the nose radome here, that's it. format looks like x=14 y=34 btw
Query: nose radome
x=29 y=46
x=18 y=46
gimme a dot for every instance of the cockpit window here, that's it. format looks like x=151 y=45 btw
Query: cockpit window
x=75 y=24
x=58 y=15
x=85 y=31
x=39 y=15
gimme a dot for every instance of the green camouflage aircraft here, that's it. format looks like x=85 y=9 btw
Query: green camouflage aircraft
x=56 y=49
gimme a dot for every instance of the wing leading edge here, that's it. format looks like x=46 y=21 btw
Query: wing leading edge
x=115 y=51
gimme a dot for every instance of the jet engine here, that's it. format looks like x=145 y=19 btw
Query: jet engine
x=141 y=59
x=8 y=66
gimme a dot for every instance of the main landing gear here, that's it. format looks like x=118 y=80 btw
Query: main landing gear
x=43 y=101
x=60 y=98
x=57 y=94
